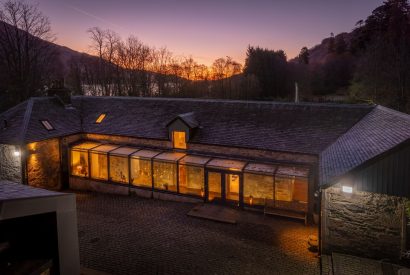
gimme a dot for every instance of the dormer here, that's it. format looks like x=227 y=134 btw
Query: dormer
x=181 y=129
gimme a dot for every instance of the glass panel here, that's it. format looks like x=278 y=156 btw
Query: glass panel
x=86 y=145
x=284 y=188
x=232 y=187
x=194 y=160
x=141 y=172
x=179 y=139
x=214 y=186
x=300 y=192
x=123 y=151
x=119 y=169
x=261 y=168
x=99 y=166
x=257 y=189
x=227 y=164
x=165 y=176
x=191 y=180
x=291 y=193
x=79 y=163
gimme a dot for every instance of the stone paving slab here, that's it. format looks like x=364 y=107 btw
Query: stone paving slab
x=215 y=213
x=351 y=265
x=132 y=235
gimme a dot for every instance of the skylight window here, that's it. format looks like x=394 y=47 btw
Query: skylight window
x=47 y=125
x=100 y=118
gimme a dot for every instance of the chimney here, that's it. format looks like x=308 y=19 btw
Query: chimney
x=58 y=90
x=296 y=93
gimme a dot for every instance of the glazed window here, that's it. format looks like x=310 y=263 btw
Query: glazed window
x=79 y=163
x=165 y=176
x=257 y=189
x=141 y=172
x=119 y=169
x=99 y=167
x=99 y=161
x=46 y=124
x=100 y=118
x=179 y=139
x=191 y=180
x=79 y=159
x=291 y=192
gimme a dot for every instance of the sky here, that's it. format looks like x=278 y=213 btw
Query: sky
x=207 y=30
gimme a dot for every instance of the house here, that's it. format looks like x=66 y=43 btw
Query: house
x=345 y=167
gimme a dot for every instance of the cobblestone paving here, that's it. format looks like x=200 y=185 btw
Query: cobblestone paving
x=130 y=235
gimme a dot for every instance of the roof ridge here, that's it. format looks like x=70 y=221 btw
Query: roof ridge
x=265 y=102
x=14 y=107
x=392 y=111
x=26 y=120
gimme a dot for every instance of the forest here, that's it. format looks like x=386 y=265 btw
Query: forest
x=370 y=64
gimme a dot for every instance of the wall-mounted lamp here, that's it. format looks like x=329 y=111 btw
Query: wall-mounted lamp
x=347 y=189
x=16 y=152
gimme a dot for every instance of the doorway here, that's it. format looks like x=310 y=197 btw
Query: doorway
x=224 y=187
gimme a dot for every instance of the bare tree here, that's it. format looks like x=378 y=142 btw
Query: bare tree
x=26 y=56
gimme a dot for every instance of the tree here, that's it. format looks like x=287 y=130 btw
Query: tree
x=27 y=59
x=304 y=56
x=271 y=69
x=382 y=44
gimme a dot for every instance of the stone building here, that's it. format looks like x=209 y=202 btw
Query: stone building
x=343 y=167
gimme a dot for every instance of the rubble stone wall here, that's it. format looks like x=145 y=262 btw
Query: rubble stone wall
x=10 y=165
x=43 y=164
x=362 y=223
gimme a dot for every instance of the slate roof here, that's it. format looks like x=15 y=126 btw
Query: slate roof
x=343 y=136
x=24 y=126
x=188 y=118
x=13 y=191
x=302 y=128
x=379 y=131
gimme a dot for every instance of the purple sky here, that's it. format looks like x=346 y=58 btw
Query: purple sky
x=207 y=30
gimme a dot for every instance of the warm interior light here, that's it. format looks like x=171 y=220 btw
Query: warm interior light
x=100 y=118
x=347 y=189
x=16 y=153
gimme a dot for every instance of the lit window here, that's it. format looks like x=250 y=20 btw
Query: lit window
x=119 y=169
x=165 y=176
x=47 y=125
x=178 y=139
x=191 y=180
x=100 y=118
x=258 y=189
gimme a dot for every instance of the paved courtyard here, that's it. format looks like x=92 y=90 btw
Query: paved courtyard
x=131 y=235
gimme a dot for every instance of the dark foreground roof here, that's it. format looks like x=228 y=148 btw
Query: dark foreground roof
x=13 y=191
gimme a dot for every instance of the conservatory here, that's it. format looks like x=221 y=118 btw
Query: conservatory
x=209 y=178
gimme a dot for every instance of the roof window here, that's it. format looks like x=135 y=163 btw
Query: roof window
x=100 y=118
x=47 y=125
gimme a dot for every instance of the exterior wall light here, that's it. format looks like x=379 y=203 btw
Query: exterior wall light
x=16 y=152
x=347 y=189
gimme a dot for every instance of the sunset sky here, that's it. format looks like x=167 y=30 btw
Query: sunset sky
x=207 y=30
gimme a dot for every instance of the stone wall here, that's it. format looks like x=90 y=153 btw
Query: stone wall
x=10 y=165
x=365 y=224
x=43 y=164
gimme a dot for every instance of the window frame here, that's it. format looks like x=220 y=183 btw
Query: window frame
x=174 y=140
x=47 y=125
x=101 y=117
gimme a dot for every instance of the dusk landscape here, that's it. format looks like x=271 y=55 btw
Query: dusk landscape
x=204 y=137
